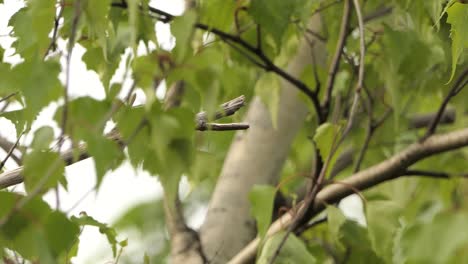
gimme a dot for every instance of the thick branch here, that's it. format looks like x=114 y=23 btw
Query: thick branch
x=14 y=177
x=389 y=169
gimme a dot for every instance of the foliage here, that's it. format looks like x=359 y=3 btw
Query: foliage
x=415 y=51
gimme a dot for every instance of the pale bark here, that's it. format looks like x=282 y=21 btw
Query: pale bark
x=255 y=157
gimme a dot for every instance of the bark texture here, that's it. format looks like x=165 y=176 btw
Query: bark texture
x=256 y=156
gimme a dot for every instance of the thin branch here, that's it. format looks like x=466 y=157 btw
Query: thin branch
x=433 y=174
x=378 y=14
x=10 y=152
x=268 y=65
x=224 y=127
x=388 y=169
x=333 y=70
x=456 y=88
x=8 y=97
x=315 y=223
x=71 y=44
x=53 y=41
x=6 y=145
x=424 y=120
x=14 y=177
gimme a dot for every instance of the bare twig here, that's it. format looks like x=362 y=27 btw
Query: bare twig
x=424 y=120
x=333 y=70
x=10 y=152
x=14 y=177
x=8 y=97
x=433 y=174
x=53 y=41
x=456 y=88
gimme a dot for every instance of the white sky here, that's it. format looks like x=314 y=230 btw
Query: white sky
x=122 y=188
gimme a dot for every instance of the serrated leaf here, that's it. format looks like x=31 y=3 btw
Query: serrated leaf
x=42 y=170
x=106 y=154
x=17 y=118
x=42 y=138
x=261 y=198
x=110 y=233
x=96 y=16
x=218 y=13
x=383 y=218
x=293 y=251
x=32 y=25
x=351 y=237
x=86 y=117
x=41 y=87
x=458 y=19
x=273 y=16
x=325 y=137
x=34 y=230
x=268 y=88
x=60 y=232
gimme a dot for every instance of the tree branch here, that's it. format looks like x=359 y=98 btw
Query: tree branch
x=333 y=70
x=389 y=169
x=14 y=177
x=456 y=88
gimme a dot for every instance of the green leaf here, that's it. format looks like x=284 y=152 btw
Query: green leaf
x=383 y=223
x=34 y=230
x=17 y=118
x=182 y=29
x=273 y=16
x=268 y=88
x=293 y=251
x=458 y=19
x=41 y=87
x=351 y=238
x=86 y=117
x=218 y=13
x=325 y=137
x=443 y=235
x=32 y=25
x=42 y=169
x=261 y=199
x=96 y=16
x=106 y=153
x=60 y=232
x=42 y=138
x=110 y=233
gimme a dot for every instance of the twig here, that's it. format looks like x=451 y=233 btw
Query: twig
x=8 y=97
x=15 y=176
x=10 y=152
x=53 y=41
x=433 y=174
x=456 y=88
x=424 y=120
x=224 y=127
x=333 y=70
x=267 y=65
x=317 y=222
x=378 y=14
x=71 y=44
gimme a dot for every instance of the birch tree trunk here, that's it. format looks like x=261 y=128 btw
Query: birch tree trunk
x=256 y=157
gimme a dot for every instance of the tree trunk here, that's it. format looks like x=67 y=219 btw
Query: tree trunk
x=256 y=157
